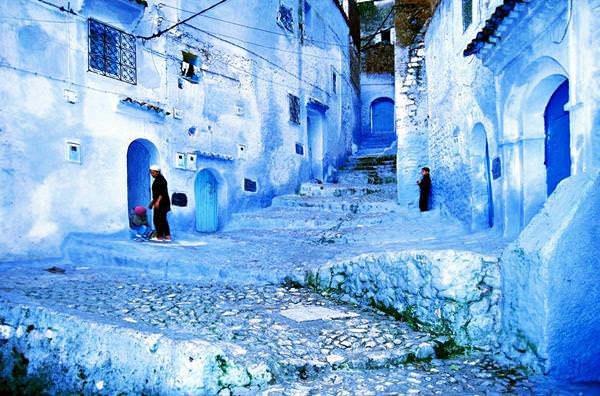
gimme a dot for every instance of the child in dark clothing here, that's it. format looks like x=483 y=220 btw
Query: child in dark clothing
x=425 y=186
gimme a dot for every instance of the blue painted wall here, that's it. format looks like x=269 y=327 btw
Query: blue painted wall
x=234 y=117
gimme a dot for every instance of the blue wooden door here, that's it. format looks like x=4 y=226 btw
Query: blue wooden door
x=558 y=138
x=382 y=117
x=138 y=177
x=207 y=219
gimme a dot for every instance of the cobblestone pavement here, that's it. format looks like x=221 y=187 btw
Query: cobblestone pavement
x=365 y=352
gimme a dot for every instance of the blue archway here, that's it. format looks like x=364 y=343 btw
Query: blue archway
x=558 y=138
x=140 y=155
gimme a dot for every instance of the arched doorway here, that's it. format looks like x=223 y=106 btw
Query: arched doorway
x=481 y=199
x=315 y=128
x=206 y=191
x=558 y=138
x=382 y=117
x=140 y=155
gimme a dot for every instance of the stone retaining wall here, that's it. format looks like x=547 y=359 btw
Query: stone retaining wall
x=452 y=293
x=51 y=351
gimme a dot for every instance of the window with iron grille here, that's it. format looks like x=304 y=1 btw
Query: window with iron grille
x=467 y=13
x=294 y=108
x=111 y=52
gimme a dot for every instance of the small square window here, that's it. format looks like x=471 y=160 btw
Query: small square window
x=299 y=149
x=73 y=152
x=190 y=161
x=180 y=161
x=250 y=185
x=496 y=168
x=111 y=52
x=294 y=103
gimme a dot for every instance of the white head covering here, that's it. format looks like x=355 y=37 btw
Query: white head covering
x=155 y=168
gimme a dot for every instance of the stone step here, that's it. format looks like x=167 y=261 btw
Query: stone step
x=341 y=190
x=376 y=151
x=391 y=168
x=282 y=218
x=372 y=180
x=348 y=205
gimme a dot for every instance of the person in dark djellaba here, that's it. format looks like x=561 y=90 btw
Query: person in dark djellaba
x=425 y=186
x=161 y=204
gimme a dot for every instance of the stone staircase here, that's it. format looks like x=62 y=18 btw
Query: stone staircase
x=366 y=185
x=375 y=144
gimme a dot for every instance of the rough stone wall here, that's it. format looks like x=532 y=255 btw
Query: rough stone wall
x=411 y=118
x=452 y=293
x=50 y=351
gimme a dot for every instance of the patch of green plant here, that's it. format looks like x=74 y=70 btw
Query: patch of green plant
x=21 y=382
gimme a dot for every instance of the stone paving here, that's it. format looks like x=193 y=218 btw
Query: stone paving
x=313 y=343
x=364 y=352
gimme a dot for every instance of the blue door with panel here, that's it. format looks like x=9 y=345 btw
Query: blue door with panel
x=206 y=192
x=558 y=138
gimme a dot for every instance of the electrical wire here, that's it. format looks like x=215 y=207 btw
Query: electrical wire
x=264 y=46
x=229 y=65
x=379 y=28
x=161 y=32
x=256 y=28
x=259 y=56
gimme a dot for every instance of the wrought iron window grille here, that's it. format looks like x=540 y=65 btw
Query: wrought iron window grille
x=294 y=108
x=111 y=52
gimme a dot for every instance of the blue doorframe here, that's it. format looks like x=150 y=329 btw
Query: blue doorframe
x=207 y=204
x=558 y=138
x=140 y=155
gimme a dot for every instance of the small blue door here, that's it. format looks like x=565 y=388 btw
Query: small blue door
x=558 y=138
x=207 y=219
x=382 y=117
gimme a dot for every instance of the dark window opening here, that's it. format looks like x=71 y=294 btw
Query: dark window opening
x=386 y=36
x=250 y=185
x=189 y=65
x=299 y=149
x=334 y=82
x=294 y=108
x=496 y=168
x=111 y=52
x=467 y=13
